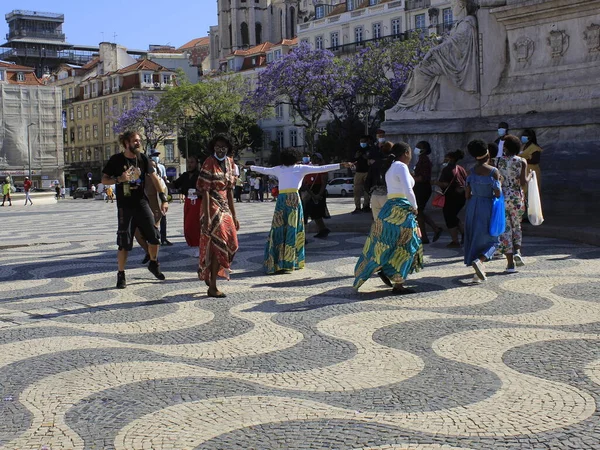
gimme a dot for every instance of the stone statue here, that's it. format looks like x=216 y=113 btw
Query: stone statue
x=455 y=58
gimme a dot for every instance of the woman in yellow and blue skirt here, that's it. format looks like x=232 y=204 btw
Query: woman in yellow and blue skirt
x=393 y=248
x=284 y=251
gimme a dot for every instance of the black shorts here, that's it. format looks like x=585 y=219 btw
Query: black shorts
x=141 y=218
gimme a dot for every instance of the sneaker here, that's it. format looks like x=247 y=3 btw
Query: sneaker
x=146 y=259
x=476 y=280
x=479 y=269
x=510 y=269
x=367 y=210
x=121 y=282
x=154 y=268
x=518 y=259
x=166 y=242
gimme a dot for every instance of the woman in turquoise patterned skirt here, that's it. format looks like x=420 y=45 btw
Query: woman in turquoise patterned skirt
x=393 y=248
x=284 y=251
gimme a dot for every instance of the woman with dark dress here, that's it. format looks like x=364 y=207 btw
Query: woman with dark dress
x=218 y=222
x=452 y=181
x=186 y=184
x=422 y=190
x=314 y=198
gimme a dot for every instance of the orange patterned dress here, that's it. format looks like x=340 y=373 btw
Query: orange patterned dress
x=220 y=240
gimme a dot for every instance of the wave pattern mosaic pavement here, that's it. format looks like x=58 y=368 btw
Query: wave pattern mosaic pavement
x=298 y=361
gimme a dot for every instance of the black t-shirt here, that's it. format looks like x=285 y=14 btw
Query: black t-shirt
x=186 y=182
x=116 y=165
x=361 y=162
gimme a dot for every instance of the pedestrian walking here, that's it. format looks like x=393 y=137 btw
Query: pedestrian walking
x=393 y=249
x=186 y=184
x=314 y=198
x=6 y=188
x=375 y=181
x=284 y=251
x=27 y=184
x=422 y=189
x=57 y=190
x=161 y=172
x=63 y=192
x=130 y=170
x=361 y=162
x=218 y=222
x=110 y=193
x=482 y=185
x=514 y=175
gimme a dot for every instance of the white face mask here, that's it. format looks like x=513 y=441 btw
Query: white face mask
x=417 y=151
x=381 y=140
x=220 y=159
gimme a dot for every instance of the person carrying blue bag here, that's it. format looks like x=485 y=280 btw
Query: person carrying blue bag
x=483 y=186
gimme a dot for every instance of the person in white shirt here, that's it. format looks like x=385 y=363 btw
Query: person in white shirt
x=394 y=248
x=284 y=251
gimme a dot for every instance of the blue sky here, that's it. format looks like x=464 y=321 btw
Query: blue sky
x=137 y=24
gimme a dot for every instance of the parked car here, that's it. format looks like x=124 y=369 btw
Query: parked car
x=340 y=186
x=82 y=192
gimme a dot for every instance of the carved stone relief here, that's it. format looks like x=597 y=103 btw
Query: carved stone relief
x=592 y=37
x=524 y=48
x=558 y=42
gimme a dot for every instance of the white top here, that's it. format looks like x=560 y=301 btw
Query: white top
x=400 y=181
x=290 y=177
x=500 y=148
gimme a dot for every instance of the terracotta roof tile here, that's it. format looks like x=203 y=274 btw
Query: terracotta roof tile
x=91 y=63
x=15 y=66
x=195 y=43
x=143 y=64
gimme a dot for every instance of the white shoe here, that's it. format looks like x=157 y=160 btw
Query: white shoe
x=518 y=260
x=479 y=269
x=510 y=270
x=476 y=280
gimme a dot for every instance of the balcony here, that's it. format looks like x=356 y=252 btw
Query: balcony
x=22 y=52
x=417 y=4
x=51 y=35
x=356 y=46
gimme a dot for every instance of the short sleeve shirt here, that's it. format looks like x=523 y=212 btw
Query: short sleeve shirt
x=116 y=165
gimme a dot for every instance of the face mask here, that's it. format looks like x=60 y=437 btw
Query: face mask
x=363 y=144
x=220 y=159
x=524 y=139
x=305 y=159
x=155 y=159
x=417 y=151
x=502 y=131
x=381 y=140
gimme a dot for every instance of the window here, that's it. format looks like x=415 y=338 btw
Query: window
x=86 y=111
x=169 y=151
x=96 y=154
x=107 y=152
x=107 y=129
x=277 y=54
x=373 y=2
x=79 y=112
x=396 y=27
x=319 y=11
x=448 y=18
x=72 y=133
x=86 y=91
x=279 y=111
x=147 y=78
x=87 y=132
x=269 y=57
x=72 y=155
x=266 y=140
x=79 y=134
x=71 y=92
x=95 y=132
x=94 y=110
x=95 y=90
x=420 y=22
x=67 y=157
x=20 y=76
x=2 y=76
x=351 y=5
x=71 y=114
x=358 y=34
x=377 y=30
x=335 y=40
x=124 y=104
x=88 y=154
x=106 y=107
x=280 y=138
x=166 y=79
x=80 y=154
x=319 y=42
x=293 y=138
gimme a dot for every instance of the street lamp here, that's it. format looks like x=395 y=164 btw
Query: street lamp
x=29 y=148
x=365 y=102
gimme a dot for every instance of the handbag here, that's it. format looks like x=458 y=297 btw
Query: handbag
x=498 y=219
x=439 y=201
x=534 y=203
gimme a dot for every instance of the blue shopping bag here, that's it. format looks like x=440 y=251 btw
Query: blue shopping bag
x=498 y=220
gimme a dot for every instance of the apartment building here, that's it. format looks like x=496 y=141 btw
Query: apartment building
x=93 y=96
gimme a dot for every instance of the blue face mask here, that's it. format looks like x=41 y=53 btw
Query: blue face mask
x=220 y=159
x=305 y=159
x=502 y=131
x=155 y=159
x=524 y=139
x=363 y=144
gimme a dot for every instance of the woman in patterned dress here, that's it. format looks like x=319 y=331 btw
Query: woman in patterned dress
x=514 y=176
x=393 y=248
x=218 y=223
x=284 y=251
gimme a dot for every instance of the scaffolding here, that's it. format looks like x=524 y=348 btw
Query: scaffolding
x=31 y=134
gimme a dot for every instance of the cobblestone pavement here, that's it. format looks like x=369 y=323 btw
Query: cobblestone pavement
x=297 y=361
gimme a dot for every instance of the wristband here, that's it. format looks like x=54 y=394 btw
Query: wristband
x=163 y=197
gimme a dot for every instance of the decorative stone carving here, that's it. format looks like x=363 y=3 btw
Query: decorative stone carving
x=592 y=37
x=524 y=48
x=455 y=59
x=558 y=42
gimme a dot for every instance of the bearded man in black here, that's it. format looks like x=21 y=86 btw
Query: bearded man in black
x=129 y=171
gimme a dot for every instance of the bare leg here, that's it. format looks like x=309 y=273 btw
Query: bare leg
x=122 y=259
x=153 y=252
x=454 y=235
x=214 y=271
x=510 y=261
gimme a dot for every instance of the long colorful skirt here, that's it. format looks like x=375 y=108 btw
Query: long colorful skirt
x=393 y=245
x=191 y=221
x=285 y=247
x=220 y=241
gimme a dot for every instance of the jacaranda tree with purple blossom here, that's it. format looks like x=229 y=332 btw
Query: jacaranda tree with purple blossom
x=144 y=117
x=306 y=80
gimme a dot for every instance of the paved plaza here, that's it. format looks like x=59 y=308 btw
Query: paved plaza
x=297 y=361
